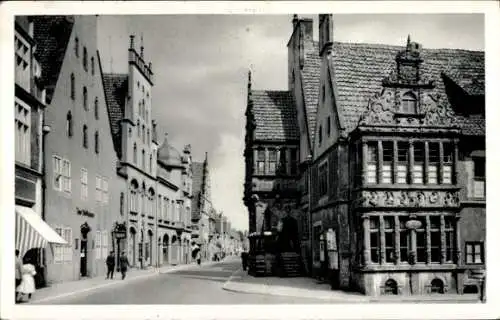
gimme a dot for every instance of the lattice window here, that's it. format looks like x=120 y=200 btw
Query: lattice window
x=23 y=132
x=418 y=166
x=402 y=164
x=387 y=156
x=374 y=239
x=372 y=156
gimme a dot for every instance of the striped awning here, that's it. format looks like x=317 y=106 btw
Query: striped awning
x=32 y=231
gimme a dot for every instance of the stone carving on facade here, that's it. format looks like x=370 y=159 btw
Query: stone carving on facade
x=438 y=111
x=404 y=198
x=380 y=109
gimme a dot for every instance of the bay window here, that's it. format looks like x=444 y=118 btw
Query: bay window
x=421 y=249
x=418 y=162
x=273 y=158
x=374 y=239
x=446 y=174
x=432 y=168
x=402 y=165
x=389 y=234
x=261 y=161
x=387 y=159
x=449 y=238
x=371 y=161
x=479 y=177
x=435 y=239
x=404 y=240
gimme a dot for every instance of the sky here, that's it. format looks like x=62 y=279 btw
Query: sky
x=201 y=63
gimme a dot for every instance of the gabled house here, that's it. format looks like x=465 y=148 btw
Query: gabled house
x=398 y=167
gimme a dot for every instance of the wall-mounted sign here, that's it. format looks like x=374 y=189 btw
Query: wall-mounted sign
x=331 y=240
x=84 y=212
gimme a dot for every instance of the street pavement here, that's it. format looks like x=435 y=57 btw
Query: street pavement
x=195 y=285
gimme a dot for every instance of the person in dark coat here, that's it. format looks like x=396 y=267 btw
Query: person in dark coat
x=244 y=259
x=110 y=263
x=123 y=265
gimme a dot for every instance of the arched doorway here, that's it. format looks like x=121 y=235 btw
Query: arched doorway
x=132 y=246
x=288 y=235
x=437 y=286
x=174 y=247
x=166 y=245
x=391 y=287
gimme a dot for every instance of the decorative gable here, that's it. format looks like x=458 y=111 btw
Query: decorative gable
x=408 y=97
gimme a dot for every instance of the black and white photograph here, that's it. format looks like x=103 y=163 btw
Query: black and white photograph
x=246 y=157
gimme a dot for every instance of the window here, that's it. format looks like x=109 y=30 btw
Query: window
x=293 y=161
x=69 y=124
x=166 y=209
x=372 y=156
x=449 y=238
x=92 y=66
x=273 y=159
x=97 y=245
x=323 y=179
x=23 y=132
x=418 y=166
x=148 y=137
x=63 y=253
x=261 y=160
x=435 y=238
x=387 y=156
x=138 y=129
x=143 y=134
x=328 y=125
x=159 y=207
x=85 y=136
x=96 y=138
x=122 y=203
x=98 y=188
x=77 y=48
x=105 y=193
x=479 y=178
x=404 y=240
x=402 y=165
x=85 y=99
x=96 y=108
x=133 y=201
x=23 y=61
x=474 y=252
x=323 y=93
x=320 y=135
x=432 y=169
x=389 y=233
x=447 y=172
x=150 y=163
x=421 y=243
x=72 y=86
x=85 y=67
x=83 y=181
x=374 y=239
x=57 y=169
x=135 y=153
x=409 y=103
x=147 y=114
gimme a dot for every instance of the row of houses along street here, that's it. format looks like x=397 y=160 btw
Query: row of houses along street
x=92 y=174
x=368 y=171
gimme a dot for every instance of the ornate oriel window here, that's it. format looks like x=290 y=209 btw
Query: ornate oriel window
x=261 y=160
x=418 y=162
x=404 y=240
x=388 y=157
x=371 y=161
x=402 y=165
x=390 y=235
x=432 y=168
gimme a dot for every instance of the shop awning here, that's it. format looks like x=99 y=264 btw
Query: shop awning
x=32 y=231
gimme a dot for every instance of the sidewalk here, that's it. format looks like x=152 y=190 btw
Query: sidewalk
x=309 y=288
x=68 y=288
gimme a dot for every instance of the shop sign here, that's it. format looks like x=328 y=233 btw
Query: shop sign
x=331 y=240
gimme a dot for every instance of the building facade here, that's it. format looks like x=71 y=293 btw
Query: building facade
x=386 y=166
x=174 y=204
x=82 y=201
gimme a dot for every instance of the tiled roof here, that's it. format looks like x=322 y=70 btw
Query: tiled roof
x=115 y=91
x=360 y=68
x=197 y=168
x=310 y=86
x=52 y=34
x=275 y=115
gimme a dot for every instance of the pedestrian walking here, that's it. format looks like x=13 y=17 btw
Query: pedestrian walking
x=110 y=263
x=27 y=285
x=244 y=260
x=198 y=257
x=123 y=265
x=19 y=272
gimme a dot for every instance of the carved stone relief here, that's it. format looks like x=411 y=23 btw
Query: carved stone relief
x=418 y=199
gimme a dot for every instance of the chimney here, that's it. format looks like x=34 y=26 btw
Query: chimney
x=187 y=149
x=325 y=33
